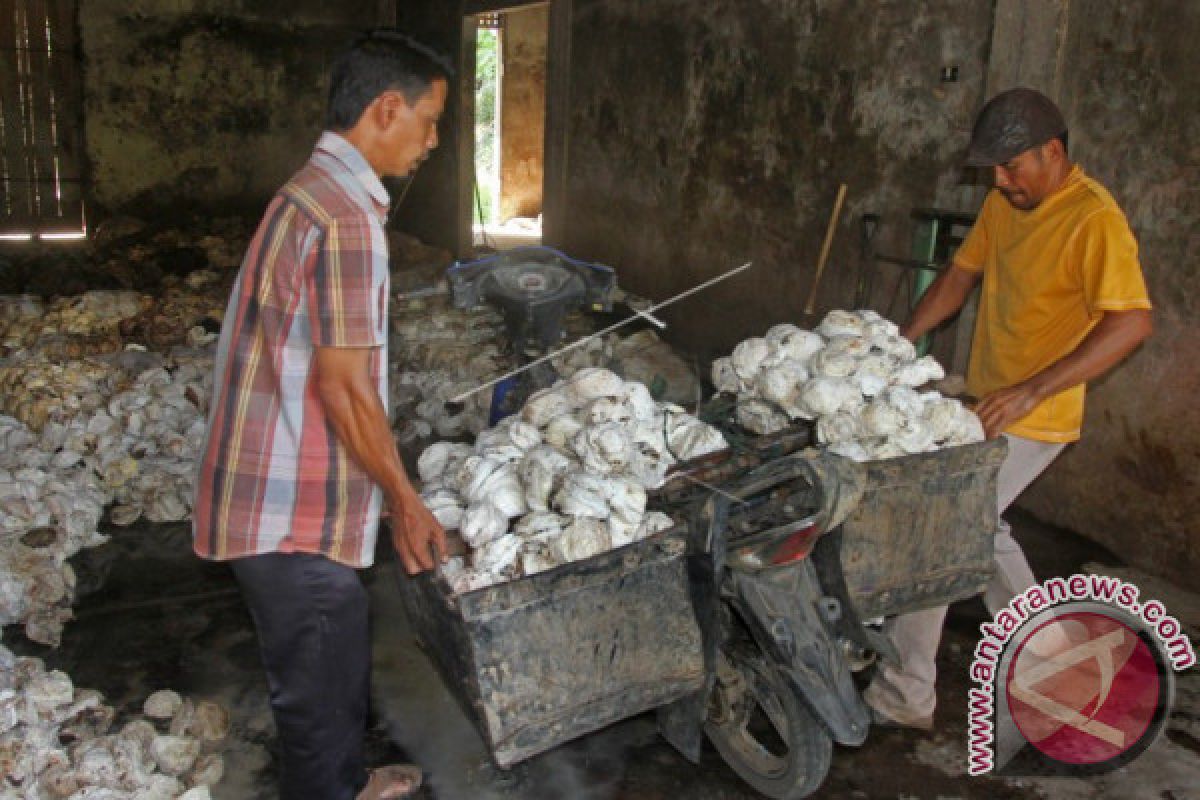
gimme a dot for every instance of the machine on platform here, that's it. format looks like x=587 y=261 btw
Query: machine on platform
x=534 y=288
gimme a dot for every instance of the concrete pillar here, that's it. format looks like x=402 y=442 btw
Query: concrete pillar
x=1028 y=46
x=1028 y=39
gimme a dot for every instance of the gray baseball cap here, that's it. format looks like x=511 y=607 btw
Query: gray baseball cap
x=1011 y=123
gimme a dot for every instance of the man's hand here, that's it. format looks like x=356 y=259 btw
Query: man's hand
x=1109 y=341
x=416 y=534
x=1002 y=408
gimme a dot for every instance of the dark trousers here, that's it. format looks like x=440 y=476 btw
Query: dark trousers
x=311 y=616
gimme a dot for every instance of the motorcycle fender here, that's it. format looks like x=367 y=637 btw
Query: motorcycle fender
x=783 y=609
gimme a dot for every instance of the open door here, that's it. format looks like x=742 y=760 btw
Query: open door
x=504 y=85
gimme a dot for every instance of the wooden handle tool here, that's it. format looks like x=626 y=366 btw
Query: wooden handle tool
x=825 y=246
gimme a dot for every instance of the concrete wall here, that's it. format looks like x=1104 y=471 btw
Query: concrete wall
x=205 y=104
x=522 y=125
x=1131 y=93
x=704 y=135
x=430 y=207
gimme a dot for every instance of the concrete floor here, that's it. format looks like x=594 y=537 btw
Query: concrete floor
x=152 y=616
x=515 y=233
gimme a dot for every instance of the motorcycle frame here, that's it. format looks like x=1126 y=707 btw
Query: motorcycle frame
x=791 y=619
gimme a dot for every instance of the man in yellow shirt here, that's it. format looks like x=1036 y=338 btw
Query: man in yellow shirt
x=1062 y=302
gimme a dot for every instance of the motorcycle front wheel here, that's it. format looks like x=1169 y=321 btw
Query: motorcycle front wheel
x=764 y=732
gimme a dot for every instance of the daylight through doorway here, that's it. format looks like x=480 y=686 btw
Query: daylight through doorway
x=509 y=101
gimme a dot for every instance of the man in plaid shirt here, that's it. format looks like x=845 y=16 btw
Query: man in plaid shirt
x=299 y=457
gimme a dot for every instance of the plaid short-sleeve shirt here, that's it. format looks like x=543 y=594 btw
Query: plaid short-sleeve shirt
x=273 y=477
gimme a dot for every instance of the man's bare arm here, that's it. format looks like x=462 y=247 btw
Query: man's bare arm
x=359 y=420
x=1106 y=345
x=943 y=299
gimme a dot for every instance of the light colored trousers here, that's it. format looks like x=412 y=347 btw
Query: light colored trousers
x=908 y=692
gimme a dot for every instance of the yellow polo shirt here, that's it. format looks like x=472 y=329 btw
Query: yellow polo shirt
x=1048 y=275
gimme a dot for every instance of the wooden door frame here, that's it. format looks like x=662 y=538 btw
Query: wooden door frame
x=464 y=237
x=558 y=102
x=554 y=147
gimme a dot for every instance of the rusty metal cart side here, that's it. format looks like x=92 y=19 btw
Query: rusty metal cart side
x=547 y=658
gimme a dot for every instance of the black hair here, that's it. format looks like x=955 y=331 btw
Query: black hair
x=378 y=61
x=1062 y=137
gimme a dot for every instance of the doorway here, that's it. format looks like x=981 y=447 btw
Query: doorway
x=504 y=102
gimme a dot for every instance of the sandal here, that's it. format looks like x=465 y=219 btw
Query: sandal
x=393 y=782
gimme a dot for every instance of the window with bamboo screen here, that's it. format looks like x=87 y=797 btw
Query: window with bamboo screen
x=40 y=122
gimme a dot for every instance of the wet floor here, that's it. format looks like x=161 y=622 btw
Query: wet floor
x=152 y=616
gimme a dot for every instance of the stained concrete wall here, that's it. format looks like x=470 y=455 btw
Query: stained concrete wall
x=704 y=135
x=205 y=104
x=432 y=207
x=1130 y=88
x=522 y=124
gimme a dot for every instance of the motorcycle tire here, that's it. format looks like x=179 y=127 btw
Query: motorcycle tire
x=746 y=742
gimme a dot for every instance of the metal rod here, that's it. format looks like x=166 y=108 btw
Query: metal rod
x=706 y=485
x=652 y=320
x=460 y=398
